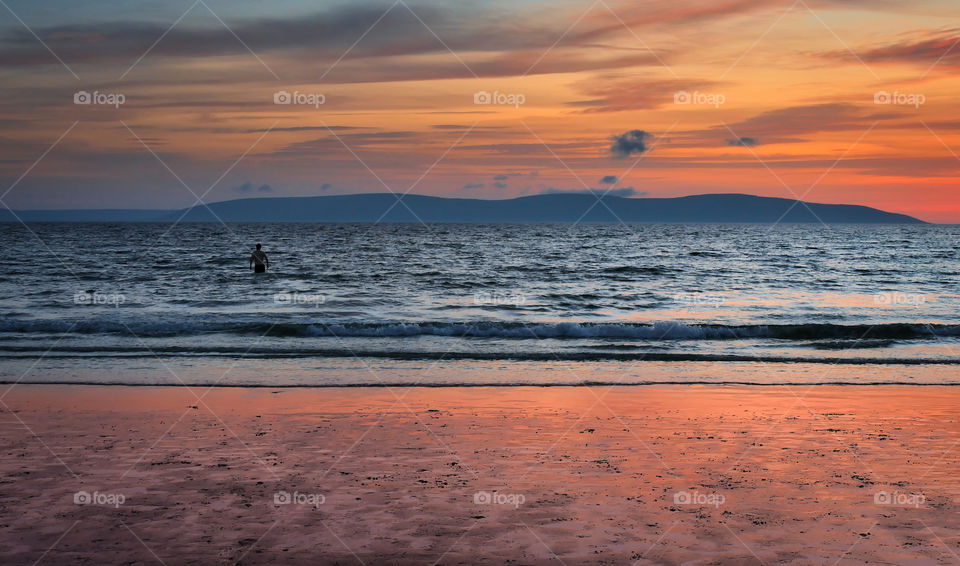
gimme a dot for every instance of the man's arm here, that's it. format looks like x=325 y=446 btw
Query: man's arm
x=251 y=261
x=266 y=260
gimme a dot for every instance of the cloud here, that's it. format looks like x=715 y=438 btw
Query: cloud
x=473 y=186
x=939 y=47
x=611 y=93
x=656 y=14
x=629 y=143
x=619 y=192
x=302 y=129
x=465 y=127
x=325 y=144
x=325 y=187
x=114 y=41
x=608 y=180
x=396 y=33
x=248 y=187
x=794 y=120
x=792 y=124
x=623 y=192
x=501 y=177
x=500 y=185
x=743 y=142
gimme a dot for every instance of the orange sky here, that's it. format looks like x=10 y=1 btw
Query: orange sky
x=839 y=101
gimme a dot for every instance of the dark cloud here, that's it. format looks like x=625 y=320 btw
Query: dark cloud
x=473 y=186
x=619 y=192
x=630 y=143
x=248 y=188
x=326 y=187
x=609 y=180
x=624 y=192
x=500 y=185
x=743 y=142
x=501 y=177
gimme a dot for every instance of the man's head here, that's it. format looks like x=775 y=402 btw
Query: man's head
x=258 y=246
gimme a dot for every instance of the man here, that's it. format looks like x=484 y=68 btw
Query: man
x=259 y=258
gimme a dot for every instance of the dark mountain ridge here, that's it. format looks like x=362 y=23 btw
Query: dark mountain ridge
x=385 y=207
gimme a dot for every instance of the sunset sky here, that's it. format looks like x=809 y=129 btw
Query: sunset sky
x=837 y=101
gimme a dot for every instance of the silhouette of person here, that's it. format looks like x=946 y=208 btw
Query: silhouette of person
x=259 y=261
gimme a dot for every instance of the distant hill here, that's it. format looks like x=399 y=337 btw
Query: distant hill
x=383 y=207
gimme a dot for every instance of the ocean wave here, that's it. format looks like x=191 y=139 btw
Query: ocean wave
x=485 y=329
x=259 y=352
x=637 y=270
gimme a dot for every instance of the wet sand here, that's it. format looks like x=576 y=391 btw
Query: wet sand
x=526 y=475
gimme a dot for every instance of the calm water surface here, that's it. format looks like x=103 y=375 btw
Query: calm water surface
x=447 y=304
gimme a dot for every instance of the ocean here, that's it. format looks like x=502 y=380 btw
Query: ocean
x=480 y=304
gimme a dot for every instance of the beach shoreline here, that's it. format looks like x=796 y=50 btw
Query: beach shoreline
x=654 y=474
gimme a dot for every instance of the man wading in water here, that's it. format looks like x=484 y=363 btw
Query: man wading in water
x=259 y=261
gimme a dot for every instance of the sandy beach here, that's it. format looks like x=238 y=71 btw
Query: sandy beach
x=525 y=475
